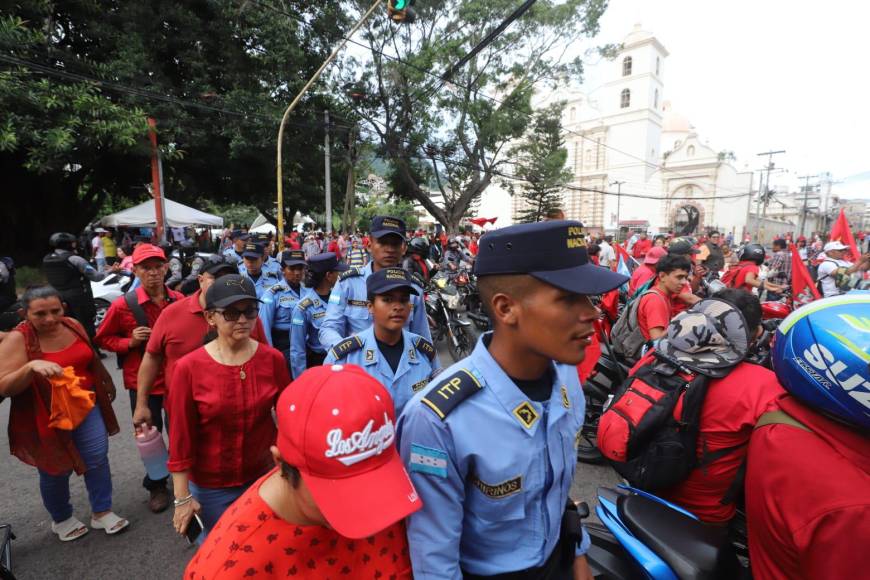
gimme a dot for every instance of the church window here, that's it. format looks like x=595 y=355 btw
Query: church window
x=626 y=66
x=658 y=65
x=690 y=151
x=625 y=99
x=656 y=100
x=572 y=113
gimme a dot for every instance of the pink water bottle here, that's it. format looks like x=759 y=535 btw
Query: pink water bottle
x=152 y=449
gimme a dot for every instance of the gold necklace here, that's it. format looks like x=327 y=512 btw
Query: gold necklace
x=242 y=374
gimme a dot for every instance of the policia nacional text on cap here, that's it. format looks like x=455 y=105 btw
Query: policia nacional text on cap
x=490 y=443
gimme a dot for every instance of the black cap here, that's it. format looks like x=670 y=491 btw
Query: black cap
x=217 y=265
x=253 y=250
x=292 y=258
x=238 y=234
x=682 y=247
x=384 y=224
x=326 y=262
x=552 y=251
x=228 y=290
x=387 y=279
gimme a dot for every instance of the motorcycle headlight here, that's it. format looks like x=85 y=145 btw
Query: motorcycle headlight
x=441 y=282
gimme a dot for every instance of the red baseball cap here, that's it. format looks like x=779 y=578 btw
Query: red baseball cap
x=336 y=425
x=145 y=251
x=654 y=254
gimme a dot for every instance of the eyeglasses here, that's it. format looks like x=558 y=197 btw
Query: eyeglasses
x=232 y=315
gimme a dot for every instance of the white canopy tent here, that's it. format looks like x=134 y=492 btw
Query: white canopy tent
x=262 y=226
x=177 y=216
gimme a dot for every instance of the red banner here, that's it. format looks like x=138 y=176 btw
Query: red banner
x=803 y=290
x=480 y=222
x=842 y=233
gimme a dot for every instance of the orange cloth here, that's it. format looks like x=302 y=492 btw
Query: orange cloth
x=70 y=403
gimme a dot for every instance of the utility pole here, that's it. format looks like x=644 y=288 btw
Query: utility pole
x=347 y=216
x=618 y=185
x=326 y=163
x=806 y=193
x=157 y=182
x=770 y=166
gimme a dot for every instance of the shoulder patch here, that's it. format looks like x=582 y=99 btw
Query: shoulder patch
x=346 y=346
x=305 y=303
x=426 y=348
x=350 y=273
x=276 y=288
x=418 y=279
x=447 y=394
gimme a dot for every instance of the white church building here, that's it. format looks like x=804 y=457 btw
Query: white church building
x=636 y=163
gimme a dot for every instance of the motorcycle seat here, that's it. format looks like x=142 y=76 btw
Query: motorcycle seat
x=693 y=550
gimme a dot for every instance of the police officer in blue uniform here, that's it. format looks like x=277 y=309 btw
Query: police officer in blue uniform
x=305 y=348
x=271 y=263
x=402 y=361
x=252 y=267
x=491 y=442
x=234 y=253
x=279 y=300
x=347 y=312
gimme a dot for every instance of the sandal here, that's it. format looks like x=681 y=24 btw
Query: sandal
x=109 y=522
x=70 y=529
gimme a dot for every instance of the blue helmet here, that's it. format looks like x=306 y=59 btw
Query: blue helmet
x=822 y=356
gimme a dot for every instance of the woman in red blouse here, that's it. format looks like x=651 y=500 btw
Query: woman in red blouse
x=220 y=407
x=34 y=353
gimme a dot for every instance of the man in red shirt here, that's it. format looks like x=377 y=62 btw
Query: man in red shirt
x=654 y=311
x=731 y=409
x=686 y=297
x=641 y=247
x=333 y=506
x=179 y=332
x=646 y=270
x=808 y=474
x=125 y=332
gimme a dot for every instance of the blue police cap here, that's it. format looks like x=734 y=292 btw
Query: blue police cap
x=552 y=251
x=293 y=258
x=253 y=250
x=326 y=262
x=387 y=279
x=384 y=224
x=238 y=234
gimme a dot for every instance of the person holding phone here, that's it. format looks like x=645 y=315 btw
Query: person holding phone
x=220 y=407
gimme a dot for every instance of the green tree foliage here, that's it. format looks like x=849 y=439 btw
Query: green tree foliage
x=451 y=134
x=78 y=79
x=540 y=168
x=400 y=209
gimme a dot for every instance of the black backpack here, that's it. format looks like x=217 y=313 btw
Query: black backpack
x=649 y=433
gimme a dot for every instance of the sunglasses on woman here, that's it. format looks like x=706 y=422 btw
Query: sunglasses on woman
x=232 y=315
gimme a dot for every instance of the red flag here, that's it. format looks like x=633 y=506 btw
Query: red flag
x=593 y=353
x=842 y=233
x=610 y=304
x=803 y=291
x=481 y=221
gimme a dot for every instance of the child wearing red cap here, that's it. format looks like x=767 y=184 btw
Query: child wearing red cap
x=332 y=507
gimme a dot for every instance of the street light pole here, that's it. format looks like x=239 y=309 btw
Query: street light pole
x=327 y=161
x=311 y=81
x=618 y=185
x=770 y=155
x=806 y=193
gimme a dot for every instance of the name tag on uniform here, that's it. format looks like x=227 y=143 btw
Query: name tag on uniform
x=318 y=315
x=360 y=303
x=286 y=301
x=499 y=490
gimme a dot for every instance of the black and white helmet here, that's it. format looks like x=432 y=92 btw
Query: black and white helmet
x=753 y=253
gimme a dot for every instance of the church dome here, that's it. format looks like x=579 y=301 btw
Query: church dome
x=673 y=122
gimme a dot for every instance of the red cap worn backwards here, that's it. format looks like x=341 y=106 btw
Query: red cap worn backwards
x=336 y=424
x=145 y=251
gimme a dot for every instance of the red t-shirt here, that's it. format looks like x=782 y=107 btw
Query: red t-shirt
x=807 y=500
x=220 y=424
x=743 y=270
x=639 y=277
x=79 y=356
x=731 y=409
x=251 y=540
x=115 y=333
x=653 y=311
x=641 y=247
x=678 y=305
x=181 y=330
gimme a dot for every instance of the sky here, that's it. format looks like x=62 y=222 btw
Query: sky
x=764 y=75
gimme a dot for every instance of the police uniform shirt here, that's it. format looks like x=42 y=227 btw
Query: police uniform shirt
x=305 y=330
x=492 y=467
x=232 y=256
x=264 y=282
x=272 y=265
x=418 y=361
x=276 y=309
x=348 y=313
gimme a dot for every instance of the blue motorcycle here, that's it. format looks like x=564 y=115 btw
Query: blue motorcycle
x=644 y=536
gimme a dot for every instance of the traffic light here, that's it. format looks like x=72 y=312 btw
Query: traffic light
x=401 y=11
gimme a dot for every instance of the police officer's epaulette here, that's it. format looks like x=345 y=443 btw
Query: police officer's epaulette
x=276 y=288
x=346 y=346
x=305 y=303
x=425 y=347
x=418 y=279
x=448 y=393
x=350 y=274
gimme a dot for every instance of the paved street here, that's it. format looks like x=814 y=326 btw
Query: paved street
x=148 y=549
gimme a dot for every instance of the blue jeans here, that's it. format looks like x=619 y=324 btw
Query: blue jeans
x=214 y=502
x=92 y=442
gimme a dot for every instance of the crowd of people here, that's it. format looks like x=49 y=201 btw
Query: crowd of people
x=311 y=429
